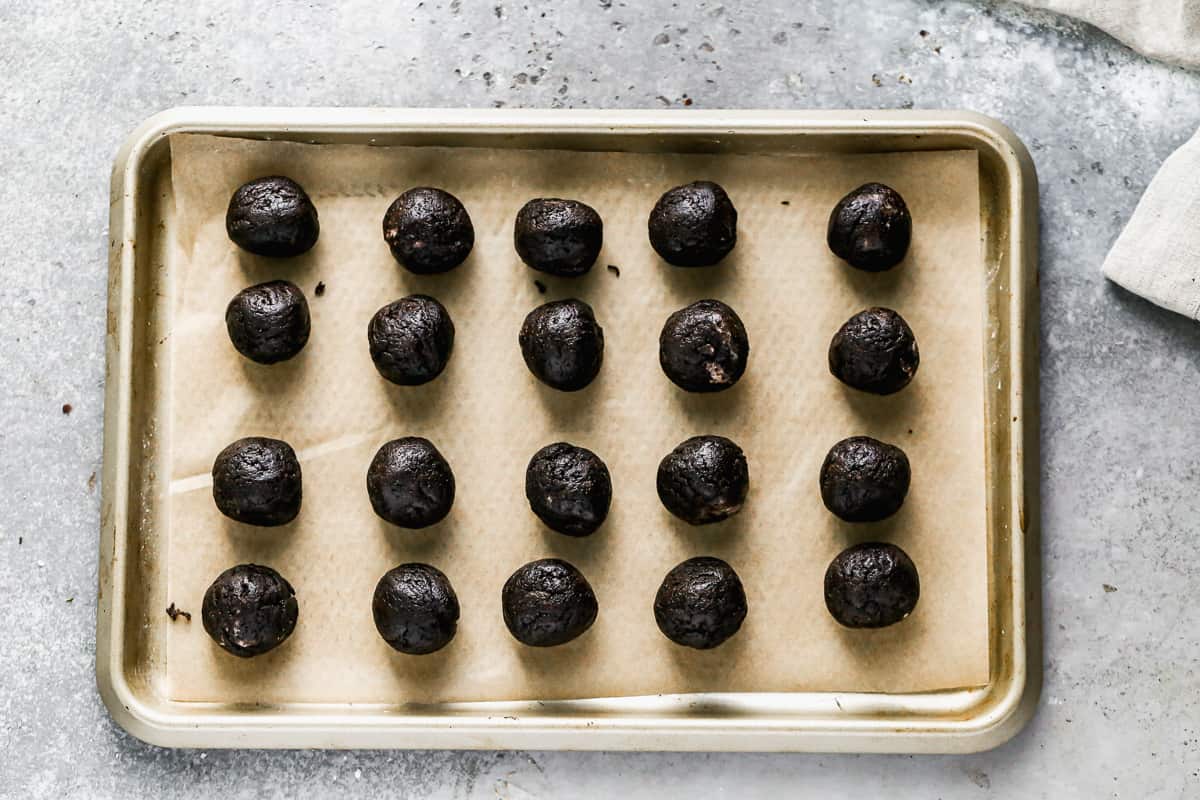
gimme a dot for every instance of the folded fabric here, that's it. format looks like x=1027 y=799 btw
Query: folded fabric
x=1166 y=30
x=1158 y=254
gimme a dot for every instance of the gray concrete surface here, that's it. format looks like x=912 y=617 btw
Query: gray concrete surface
x=1120 y=714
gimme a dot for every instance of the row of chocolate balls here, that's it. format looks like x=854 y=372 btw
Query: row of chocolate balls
x=702 y=347
x=251 y=609
x=703 y=480
x=428 y=230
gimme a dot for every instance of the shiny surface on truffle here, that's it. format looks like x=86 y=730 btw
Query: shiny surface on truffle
x=864 y=479
x=701 y=603
x=871 y=585
x=560 y=237
x=870 y=228
x=562 y=344
x=411 y=340
x=568 y=488
x=409 y=483
x=874 y=351
x=249 y=610
x=257 y=481
x=269 y=322
x=694 y=225
x=704 y=347
x=272 y=216
x=415 y=609
x=705 y=479
x=428 y=230
x=548 y=603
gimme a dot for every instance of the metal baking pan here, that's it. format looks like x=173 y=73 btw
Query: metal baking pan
x=131 y=625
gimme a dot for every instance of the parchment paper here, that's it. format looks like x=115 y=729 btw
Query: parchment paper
x=488 y=415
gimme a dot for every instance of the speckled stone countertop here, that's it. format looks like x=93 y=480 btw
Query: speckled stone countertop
x=1120 y=710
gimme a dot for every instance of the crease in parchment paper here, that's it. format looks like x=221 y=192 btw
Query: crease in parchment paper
x=488 y=415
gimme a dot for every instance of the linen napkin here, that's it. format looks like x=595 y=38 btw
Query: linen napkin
x=1157 y=256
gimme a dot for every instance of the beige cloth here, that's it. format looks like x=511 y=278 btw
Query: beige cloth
x=1166 y=30
x=1157 y=256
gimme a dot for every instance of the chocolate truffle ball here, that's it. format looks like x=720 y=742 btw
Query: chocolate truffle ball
x=415 y=609
x=411 y=340
x=703 y=480
x=864 y=479
x=562 y=344
x=561 y=237
x=874 y=351
x=694 y=225
x=569 y=488
x=871 y=585
x=409 y=483
x=700 y=603
x=428 y=230
x=547 y=603
x=870 y=228
x=272 y=217
x=704 y=347
x=268 y=323
x=249 y=609
x=257 y=481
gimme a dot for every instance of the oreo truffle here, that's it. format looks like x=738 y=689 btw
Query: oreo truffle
x=694 y=225
x=871 y=585
x=415 y=609
x=411 y=340
x=704 y=480
x=428 y=230
x=257 y=481
x=562 y=344
x=568 y=488
x=409 y=483
x=870 y=228
x=701 y=603
x=249 y=610
x=273 y=217
x=874 y=351
x=268 y=323
x=704 y=347
x=864 y=479
x=560 y=237
x=547 y=603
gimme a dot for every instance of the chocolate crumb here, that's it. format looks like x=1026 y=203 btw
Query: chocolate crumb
x=615 y=270
x=67 y=408
x=175 y=613
x=320 y=290
x=541 y=287
x=687 y=101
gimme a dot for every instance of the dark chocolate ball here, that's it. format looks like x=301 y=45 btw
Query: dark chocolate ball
x=272 y=217
x=257 y=481
x=569 y=488
x=561 y=237
x=864 y=479
x=547 y=603
x=704 y=347
x=562 y=344
x=411 y=340
x=428 y=230
x=871 y=585
x=249 y=609
x=409 y=483
x=268 y=323
x=874 y=351
x=694 y=225
x=700 y=603
x=703 y=480
x=870 y=228
x=415 y=609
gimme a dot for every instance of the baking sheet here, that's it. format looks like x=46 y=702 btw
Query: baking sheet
x=488 y=415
